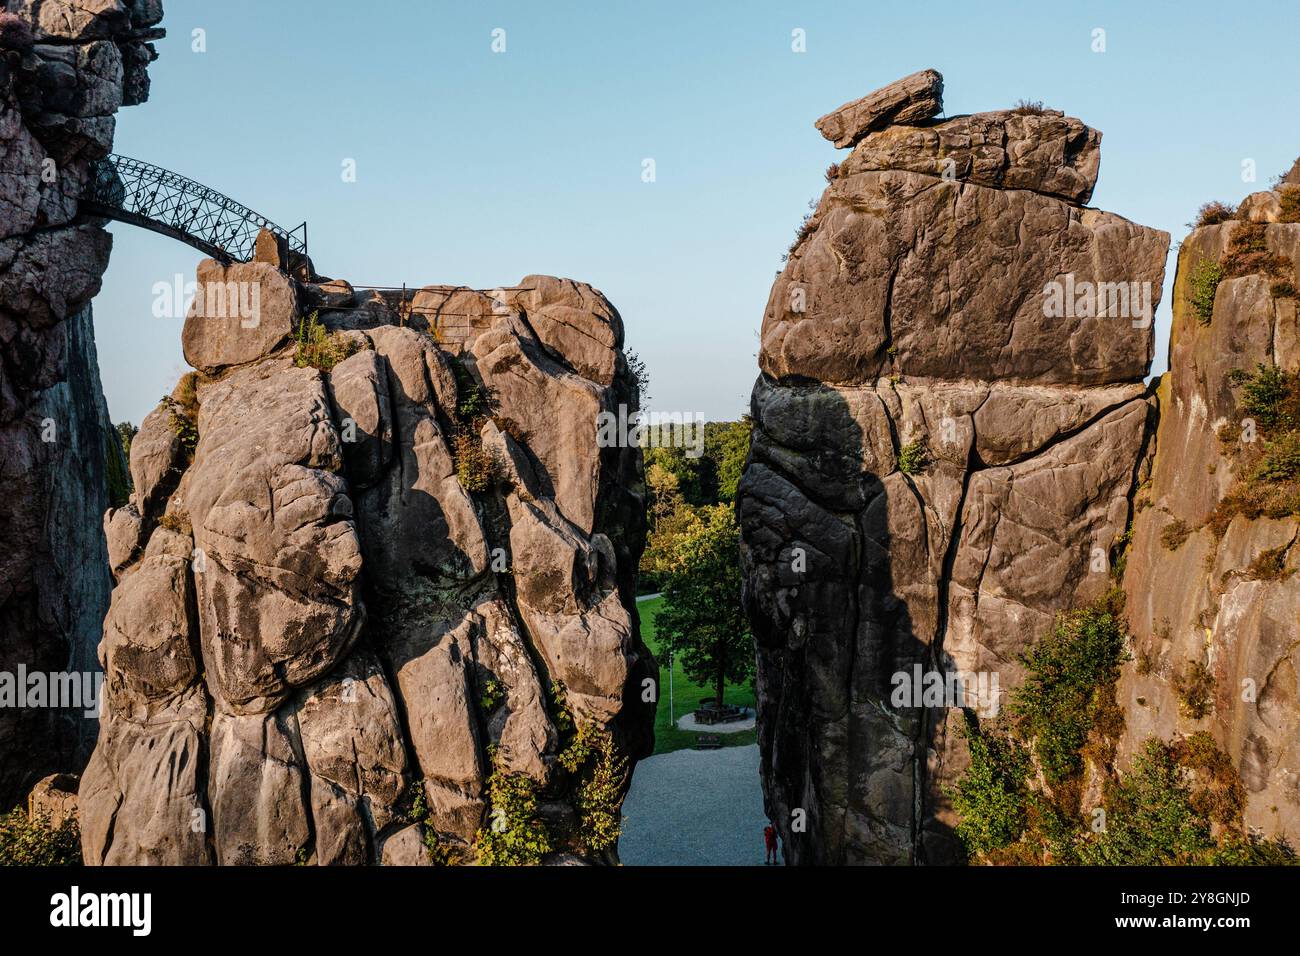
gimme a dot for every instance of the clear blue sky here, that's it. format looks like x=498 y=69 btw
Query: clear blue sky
x=479 y=168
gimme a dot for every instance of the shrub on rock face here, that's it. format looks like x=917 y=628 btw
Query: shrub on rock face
x=1180 y=804
x=476 y=469
x=1205 y=280
x=471 y=404
x=515 y=834
x=184 y=425
x=1248 y=254
x=1213 y=213
x=1060 y=701
x=1029 y=108
x=911 y=457
x=318 y=348
x=1174 y=534
x=1270 y=565
x=183 y=412
x=1289 y=198
x=1194 y=686
x=594 y=758
x=1281 y=461
x=1269 y=470
x=25 y=842
x=992 y=798
x=1267 y=396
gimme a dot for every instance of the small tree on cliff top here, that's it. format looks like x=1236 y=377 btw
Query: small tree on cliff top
x=701 y=621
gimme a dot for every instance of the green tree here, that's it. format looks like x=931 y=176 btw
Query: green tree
x=701 y=621
x=126 y=432
x=696 y=480
x=665 y=493
x=727 y=443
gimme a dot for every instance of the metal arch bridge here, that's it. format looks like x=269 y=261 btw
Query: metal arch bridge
x=131 y=191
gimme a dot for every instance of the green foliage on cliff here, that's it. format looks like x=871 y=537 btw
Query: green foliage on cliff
x=183 y=412
x=1174 y=534
x=1021 y=800
x=1204 y=282
x=318 y=348
x=1267 y=396
x=440 y=853
x=476 y=469
x=493 y=696
x=183 y=425
x=515 y=834
x=992 y=798
x=1267 y=468
x=26 y=842
x=1194 y=688
x=1150 y=819
x=593 y=759
x=1068 y=687
x=470 y=402
x=911 y=457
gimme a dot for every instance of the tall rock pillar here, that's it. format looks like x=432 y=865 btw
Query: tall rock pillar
x=948 y=426
x=65 y=69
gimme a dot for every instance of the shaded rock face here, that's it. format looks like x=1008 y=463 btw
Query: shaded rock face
x=1228 y=603
x=316 y=610
x=948 y=430
x=59 y=89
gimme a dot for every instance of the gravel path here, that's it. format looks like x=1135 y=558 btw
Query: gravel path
x=695 y=808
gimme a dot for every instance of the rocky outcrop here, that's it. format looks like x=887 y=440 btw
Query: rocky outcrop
x=909 y=100
x=1214 y=593
x=375 y=563
x=53 y=801
x=65 y=68
x=948 y=427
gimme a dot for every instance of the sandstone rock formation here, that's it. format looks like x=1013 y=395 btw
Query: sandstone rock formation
x=65 y=68
x=948 y=428
x=53 y=800
x=374 y=564
x=1214 y=594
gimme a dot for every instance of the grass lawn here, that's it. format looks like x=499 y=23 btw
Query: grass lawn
x=686 y=694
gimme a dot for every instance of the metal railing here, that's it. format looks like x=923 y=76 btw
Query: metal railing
x=129 y=190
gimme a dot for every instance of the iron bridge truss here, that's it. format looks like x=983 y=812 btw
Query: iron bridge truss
x=131 y=191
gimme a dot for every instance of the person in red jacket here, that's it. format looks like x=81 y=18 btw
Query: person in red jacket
x=769 y=841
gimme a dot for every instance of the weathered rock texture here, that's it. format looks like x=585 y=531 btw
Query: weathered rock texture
x=938 y=460
x=65 y=68
x=313 y=613
x=1229 y=604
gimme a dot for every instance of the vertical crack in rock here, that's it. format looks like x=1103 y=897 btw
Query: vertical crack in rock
x=936 y=658
x=1003 y=435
